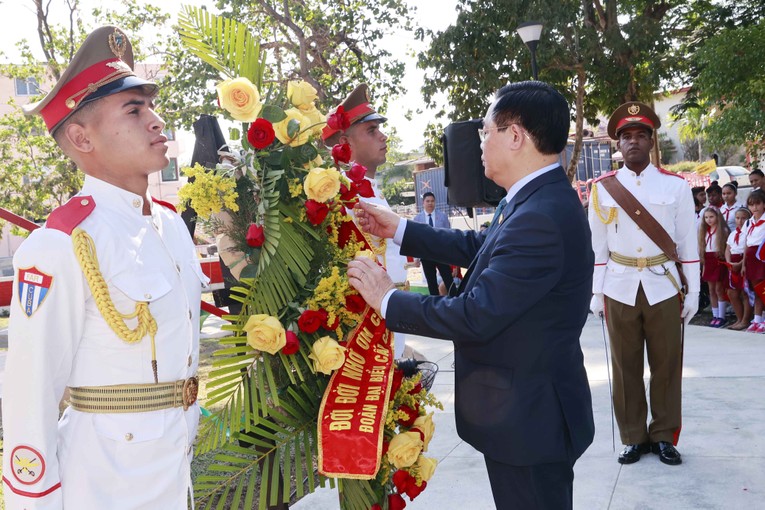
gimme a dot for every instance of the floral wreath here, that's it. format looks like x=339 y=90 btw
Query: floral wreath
x=280 y=217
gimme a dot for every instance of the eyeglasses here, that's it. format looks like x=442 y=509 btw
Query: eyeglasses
x=483 y=133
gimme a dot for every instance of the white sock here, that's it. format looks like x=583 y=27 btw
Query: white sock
x=722 y=306
x=714 y=312
x=757 y=319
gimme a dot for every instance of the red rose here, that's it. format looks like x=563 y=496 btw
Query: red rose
x=341 y=153
x=261 y=133
x=398 y=377
x=293 y=344
x=396 y=502
x=417 y=388
x=357 y=172
x=411 y=414
x=316 y=211
x=402 y=480
x=376 y=506
x=413 y=490
x=347 y=194
x=339 y=120
x=334 y=324
x=311 y=320
x=365 y=188
x=255 y=236
x=355 y=303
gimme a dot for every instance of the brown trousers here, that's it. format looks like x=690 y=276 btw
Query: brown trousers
x=658 y=328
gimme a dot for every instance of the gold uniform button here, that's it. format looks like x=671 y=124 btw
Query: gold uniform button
x=84 y=202
x=638 y=183
x=189 y=360
x=147 y=296
x=177 y=268
x=639 y=250
x=128 y=437
x=137 y=202
x=189 y=314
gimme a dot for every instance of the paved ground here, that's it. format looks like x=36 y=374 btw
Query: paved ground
x=723 y=440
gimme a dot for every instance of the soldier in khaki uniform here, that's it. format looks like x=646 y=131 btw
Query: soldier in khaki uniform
x=639 y=287
x=106 y=304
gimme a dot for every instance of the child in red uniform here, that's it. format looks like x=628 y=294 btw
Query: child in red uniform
x=734 y=255
x=713 y=234
x=753 y=269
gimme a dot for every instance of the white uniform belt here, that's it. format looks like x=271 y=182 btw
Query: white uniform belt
x=135 y=398
x=639 y=262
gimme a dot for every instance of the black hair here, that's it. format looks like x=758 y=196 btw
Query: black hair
x=756 y=172
x=428 y=194
x=756 y=197
x=714 y=187
x=731 y=184
x=539 y=109
x=696 y=190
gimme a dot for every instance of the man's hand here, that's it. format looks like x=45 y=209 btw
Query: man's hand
x=597 y=304
x=371 y=280
x=690 y=307
x=375 y=220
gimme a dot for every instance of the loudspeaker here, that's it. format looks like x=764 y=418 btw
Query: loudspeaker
x=464 y=178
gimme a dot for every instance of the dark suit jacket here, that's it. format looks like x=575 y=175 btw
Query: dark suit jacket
x=522 y=395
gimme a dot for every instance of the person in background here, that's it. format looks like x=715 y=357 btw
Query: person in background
x=753 y=268
x=730 y=203
x=484 y=226
x=755 y=179
x=437 y=219
x=734 y=255
x=714 y=195
x=713 y=234
x=699 y=199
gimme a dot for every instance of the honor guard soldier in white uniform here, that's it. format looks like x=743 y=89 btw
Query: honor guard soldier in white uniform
x=641 y=285
x=106 y=304
x=369 y=146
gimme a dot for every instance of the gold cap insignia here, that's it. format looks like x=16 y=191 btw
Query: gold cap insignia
x=633 y=109
x=118 y=43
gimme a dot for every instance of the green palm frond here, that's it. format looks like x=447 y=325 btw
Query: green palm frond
x=224 y=43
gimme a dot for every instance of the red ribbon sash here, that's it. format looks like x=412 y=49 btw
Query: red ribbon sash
x=354 y=406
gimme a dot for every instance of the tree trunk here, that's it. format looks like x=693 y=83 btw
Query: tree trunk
x=581 y=78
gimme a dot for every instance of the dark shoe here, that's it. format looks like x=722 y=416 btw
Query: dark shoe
x=632 y=453
x=667 y=453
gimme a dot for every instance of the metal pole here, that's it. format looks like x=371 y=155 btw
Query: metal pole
x=534 y=71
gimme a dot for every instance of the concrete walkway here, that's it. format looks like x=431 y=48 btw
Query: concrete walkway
x=722 y=443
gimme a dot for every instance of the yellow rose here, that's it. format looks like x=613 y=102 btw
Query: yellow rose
x=318 y=161
x=327 y=355
x=265 y=333
x=302 y=94
x=300 y=137
x=404 y=449
x=240 y=98
x=425 y=425
x=427 y=467
x=322 y=184
x=315 y=118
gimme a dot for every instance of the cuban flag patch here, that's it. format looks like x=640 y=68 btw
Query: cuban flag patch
x=34 y=286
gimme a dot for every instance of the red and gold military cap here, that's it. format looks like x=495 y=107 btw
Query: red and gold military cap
x=102 y=66
x=358 y=107
x=632 y=114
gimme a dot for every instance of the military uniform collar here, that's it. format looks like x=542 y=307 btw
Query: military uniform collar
x=113 y=197
x=650 y=169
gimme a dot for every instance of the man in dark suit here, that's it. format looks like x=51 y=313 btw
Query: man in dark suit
x=438 y=219
x=522 y=395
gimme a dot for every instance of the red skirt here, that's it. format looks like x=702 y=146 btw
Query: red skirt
x=735 y=279
x=714 y=269
x=755 y=268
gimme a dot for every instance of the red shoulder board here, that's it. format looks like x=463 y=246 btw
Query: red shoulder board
x=167 y=205
x=609 y=174
x=71 y=214
x=667 y=172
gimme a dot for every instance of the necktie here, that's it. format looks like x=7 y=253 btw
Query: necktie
x=430 y=220
x=498 y=212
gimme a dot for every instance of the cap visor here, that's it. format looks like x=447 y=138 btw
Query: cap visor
x=372 y=116
x=117 y=86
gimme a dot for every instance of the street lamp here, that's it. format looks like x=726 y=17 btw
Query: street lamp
x=530 y=33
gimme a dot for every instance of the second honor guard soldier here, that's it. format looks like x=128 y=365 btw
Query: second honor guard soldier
x=637 y=280
x=106 y=304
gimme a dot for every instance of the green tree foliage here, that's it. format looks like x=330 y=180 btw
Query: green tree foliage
x=394 y=193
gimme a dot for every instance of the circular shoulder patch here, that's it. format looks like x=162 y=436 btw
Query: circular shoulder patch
x=27 y=464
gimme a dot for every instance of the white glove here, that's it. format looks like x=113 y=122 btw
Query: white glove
x=597 y=304
x=690 y=307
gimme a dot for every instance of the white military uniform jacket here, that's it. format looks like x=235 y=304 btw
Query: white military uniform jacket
x=394 y=261
x=668 y=198
x=58 y=338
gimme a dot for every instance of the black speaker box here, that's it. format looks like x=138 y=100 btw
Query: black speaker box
x=466 y=184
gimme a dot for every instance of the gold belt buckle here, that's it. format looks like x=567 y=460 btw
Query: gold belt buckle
x=190 y=391
x=642 y=263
